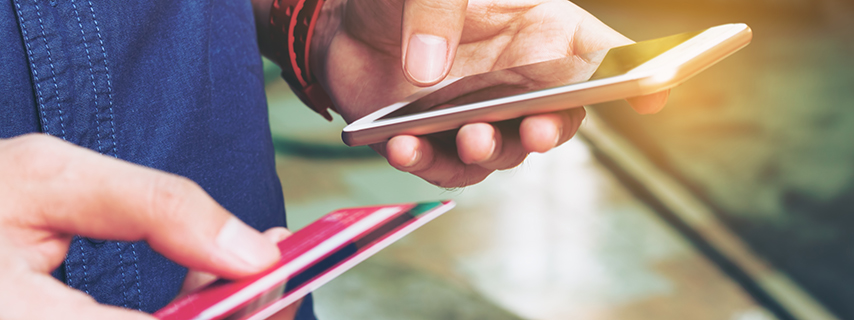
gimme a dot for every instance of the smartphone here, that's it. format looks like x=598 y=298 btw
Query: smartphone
x=642 y=68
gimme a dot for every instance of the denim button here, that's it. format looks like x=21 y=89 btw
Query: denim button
x=95 y=241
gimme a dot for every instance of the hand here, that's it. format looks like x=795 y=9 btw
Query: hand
x=358 y=55
x=51 y=190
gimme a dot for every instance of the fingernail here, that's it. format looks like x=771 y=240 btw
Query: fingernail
x=557 y=138
x=245 y=246
x=416 y=156
x=426 y=57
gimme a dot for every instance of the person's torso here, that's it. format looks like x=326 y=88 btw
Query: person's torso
x=172 y=85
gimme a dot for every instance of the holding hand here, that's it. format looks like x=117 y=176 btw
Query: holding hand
x=51 y=190
x=369 y=54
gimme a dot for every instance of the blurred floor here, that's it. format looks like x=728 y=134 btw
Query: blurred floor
x=557 y=238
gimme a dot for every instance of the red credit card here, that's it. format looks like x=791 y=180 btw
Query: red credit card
x=312 y=256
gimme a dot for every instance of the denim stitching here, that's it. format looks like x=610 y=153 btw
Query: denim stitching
x=32 y=65
x=138 y=281
x=85 y=269
x=91 y=70
x=122 y=269
x=69 y=280
x=52 y=72
x=109 y=80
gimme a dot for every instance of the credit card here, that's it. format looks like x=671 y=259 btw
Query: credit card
x=311 y=257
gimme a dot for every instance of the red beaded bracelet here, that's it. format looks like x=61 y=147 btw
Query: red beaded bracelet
x=291 y=28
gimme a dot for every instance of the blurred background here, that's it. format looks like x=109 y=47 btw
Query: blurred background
x=734 y=202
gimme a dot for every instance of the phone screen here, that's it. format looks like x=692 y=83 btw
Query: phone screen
x=543 y=75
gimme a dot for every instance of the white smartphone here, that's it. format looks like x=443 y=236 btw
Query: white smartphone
x=642 y=68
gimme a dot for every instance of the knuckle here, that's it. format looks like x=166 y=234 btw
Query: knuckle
x=512 y=162
x=31 y=144
x=510 y=156
x=573 y=117
x=463 y=178
x=35 y=157
x=447 y=181
x=168 y=195
x=436 y=6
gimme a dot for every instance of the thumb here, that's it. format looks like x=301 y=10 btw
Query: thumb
x=431 y=33
x=196 y=279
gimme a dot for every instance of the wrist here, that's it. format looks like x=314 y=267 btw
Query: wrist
x=292 y=25
x=328 y=23
x=261 y=10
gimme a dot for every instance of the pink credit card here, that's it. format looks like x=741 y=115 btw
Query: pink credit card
x=312 y=256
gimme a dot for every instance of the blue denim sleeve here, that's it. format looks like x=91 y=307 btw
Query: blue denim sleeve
x=172 y=85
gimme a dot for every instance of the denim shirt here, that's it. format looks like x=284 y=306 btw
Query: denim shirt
x=173 y=85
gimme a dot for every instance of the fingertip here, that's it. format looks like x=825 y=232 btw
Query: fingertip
x=426 y=59
x=194 y=280
x=477 y=142
x=543 y=132
x=121 y=313
x=430 y=34
x=406 y=153
x=276 y=234
x=540 y=133
x=87 y=310
x=243 y=249
x=649 y=104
